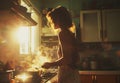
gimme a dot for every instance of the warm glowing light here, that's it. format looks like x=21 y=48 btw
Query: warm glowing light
x=72 y=29
x=23 y=76
x=23 y=36
x=33 y=40
x=26 y=38
x=38 y=62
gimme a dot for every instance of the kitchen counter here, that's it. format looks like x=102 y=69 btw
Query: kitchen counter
x=100 y=72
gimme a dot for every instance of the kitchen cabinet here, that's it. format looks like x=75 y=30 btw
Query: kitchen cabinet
x=97 y=76
x=11 y=10
x=106 y=79
x=99 y=79
x=86 y=79
x=111 y=24
x=90 y=25
x=100 y=25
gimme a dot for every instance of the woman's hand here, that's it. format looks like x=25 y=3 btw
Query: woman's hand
x=47 y=65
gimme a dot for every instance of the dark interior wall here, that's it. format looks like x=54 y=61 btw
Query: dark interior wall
x=54 y=3
x=42 y=4
x=76 y=5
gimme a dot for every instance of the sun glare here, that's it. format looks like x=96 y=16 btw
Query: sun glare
x=23 y=36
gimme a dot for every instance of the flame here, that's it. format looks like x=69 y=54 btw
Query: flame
x=38 y=61
x=23 y=76
x=34 y=62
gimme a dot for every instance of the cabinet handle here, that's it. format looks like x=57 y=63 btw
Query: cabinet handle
x=94 y=79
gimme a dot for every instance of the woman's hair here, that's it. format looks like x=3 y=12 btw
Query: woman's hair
x=61 y=17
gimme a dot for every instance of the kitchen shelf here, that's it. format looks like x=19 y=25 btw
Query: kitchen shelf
x=49 y=40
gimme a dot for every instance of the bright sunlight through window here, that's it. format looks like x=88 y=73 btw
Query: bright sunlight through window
x=23 y=36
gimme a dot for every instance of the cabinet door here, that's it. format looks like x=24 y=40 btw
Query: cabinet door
x=90 y=25
x=111 y=24
x=106 y=79
x=86 y=78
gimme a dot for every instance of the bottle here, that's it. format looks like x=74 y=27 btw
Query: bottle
x=93 y=63
x=85 y=64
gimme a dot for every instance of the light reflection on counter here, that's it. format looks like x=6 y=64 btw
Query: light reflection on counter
x=104 y=72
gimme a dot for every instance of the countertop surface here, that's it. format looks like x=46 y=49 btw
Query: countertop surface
x=99 y=72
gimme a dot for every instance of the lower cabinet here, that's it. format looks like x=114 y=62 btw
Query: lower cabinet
x=99 y=79
x=86 y=78
x=106 y=79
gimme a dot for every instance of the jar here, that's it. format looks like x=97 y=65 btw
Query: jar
x=93 y=65
x=85 y=64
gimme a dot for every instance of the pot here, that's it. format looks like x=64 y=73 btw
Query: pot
x=27 y=77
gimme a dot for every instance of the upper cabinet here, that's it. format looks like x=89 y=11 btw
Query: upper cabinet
x=12 y=10
x=100 y=25
x=90 y=25
x=111 y=24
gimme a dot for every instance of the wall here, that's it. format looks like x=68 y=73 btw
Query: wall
x=76 y=5
x=106 y=56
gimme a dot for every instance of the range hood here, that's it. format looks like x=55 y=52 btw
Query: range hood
x=18 y=10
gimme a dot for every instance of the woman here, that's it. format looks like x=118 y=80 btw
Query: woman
x=60 y=18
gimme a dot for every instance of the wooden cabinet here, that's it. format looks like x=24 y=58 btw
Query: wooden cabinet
x=90 y=25
x=100 y=25
x=111 y=24
x=106 y=79
x=86 y=79
x=99 y=79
